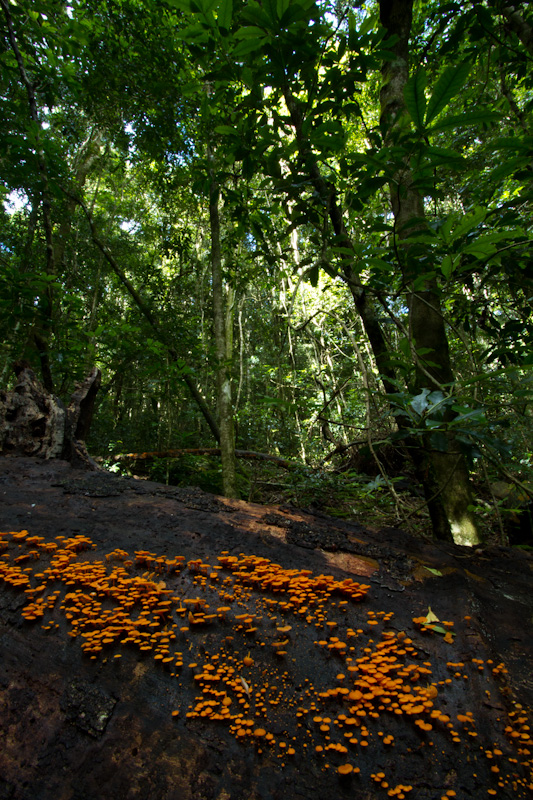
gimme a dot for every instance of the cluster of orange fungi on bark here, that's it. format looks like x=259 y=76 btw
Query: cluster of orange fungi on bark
x=378 y=678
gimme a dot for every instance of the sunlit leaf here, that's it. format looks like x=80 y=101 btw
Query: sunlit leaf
x=420 y=403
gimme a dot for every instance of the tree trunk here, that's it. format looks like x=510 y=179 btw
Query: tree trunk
x=517 y=24
x=88 y=154
x=225 y=405
x=444 y=474
x=35 y=422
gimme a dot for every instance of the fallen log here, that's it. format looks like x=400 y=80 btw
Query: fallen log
x=205 y=451
x=157 y=642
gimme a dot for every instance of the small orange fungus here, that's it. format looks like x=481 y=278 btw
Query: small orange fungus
x=345 y=769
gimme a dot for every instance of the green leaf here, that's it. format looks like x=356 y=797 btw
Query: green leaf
x=368 y=24
x=313 y=276
x=483 y=246
x=281 y=7
x=449 y=84
x=437 y=628
x=439 y=441
x=182 y=5
x=225 y=130
x=405 y=347
x=475 y=413
x=207 y=5
x=469 y=118
x=225 y=14
x=249 y=32
x=508 y=167
x=447 y=266
x=436 y=572
x=247 y=46
x=252 y=12
x=414 y=97
x=420 y=403
x=443 y=155
x=470 y=221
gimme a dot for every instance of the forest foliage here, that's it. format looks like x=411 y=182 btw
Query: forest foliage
x=241 y=212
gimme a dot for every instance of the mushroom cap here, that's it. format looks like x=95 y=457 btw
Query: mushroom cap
x=345 y=769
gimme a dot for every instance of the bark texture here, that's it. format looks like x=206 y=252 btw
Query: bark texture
x=518 y=25
x=101 y=555
x=444 y=474
x=35 y=422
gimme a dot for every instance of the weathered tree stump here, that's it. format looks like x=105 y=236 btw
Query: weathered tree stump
x=34 y=422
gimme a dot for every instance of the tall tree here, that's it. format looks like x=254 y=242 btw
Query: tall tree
x=446 y=479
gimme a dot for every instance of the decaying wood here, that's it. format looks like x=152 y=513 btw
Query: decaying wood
x=205 y=451
x=35 y=422
x=130 y=570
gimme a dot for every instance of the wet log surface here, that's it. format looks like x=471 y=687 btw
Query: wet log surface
x=94 y=623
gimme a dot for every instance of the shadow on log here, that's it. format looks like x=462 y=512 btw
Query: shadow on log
x=34 y=422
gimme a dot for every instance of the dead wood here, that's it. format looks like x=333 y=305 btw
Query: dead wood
x=205 y=451
x=35 y=422
x=130 y=666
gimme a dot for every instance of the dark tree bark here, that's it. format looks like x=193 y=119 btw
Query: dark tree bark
x=518 y=25
x=444 y=473
x=118 y=724
x=35 y=422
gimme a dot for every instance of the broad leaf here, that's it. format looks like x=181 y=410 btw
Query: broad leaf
x=449 y=84
x=225 y=130
x=247 y=46
x=443 y=155
x=420 y=403
x=281 y=7
x=414 y=97
x=470 y=221
x=183 y=5
x=470 y=118
x=447 y=266
x=207 y=5
x=508 y=167
x=249 y=32
x=225 y=14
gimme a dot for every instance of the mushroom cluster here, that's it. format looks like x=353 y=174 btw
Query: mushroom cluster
x=362 y=686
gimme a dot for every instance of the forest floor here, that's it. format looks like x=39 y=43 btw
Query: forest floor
x=161 y=642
